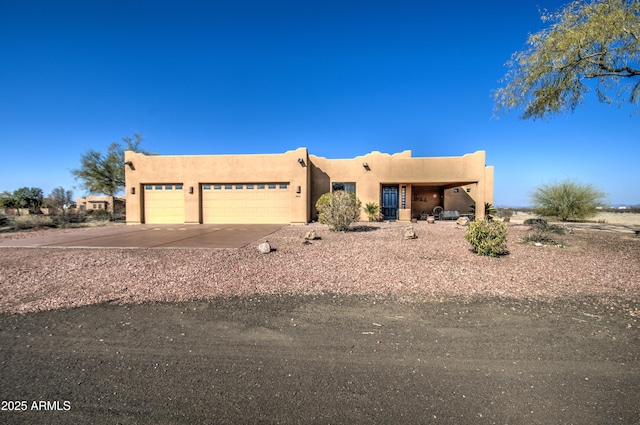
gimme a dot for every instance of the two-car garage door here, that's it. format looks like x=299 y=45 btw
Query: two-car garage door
x=246 y=203
x=220 y=203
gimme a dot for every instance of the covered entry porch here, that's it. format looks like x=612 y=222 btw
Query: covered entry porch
x=418 y=200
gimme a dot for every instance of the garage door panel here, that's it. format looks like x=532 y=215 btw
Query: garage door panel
x=246 y=203
x=163 y=204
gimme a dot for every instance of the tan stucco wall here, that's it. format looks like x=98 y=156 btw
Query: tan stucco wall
x=422 y=178
x=192 y=171
x=403 y=169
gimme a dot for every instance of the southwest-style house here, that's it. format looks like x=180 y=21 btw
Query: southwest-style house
x=283 y=188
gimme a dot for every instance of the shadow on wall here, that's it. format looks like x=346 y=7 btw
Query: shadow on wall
x=320 y=184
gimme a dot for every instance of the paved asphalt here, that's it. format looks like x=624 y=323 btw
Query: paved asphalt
x=153 y=236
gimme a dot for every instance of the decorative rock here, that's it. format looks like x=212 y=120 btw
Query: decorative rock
x=431 y=219
x=462 y=221
x=311 y=235
x=409 y=233
x=264 y=248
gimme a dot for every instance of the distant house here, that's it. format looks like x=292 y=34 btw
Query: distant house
x=110 y=204
x=283 y=188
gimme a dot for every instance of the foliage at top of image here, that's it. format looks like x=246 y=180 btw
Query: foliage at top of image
x=103 y=174
x=587 y=41
x=487 y=237
x=567 y=200
x=338 y=209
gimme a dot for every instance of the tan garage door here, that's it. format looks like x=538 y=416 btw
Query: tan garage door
x=163 y=203
x=246 y=203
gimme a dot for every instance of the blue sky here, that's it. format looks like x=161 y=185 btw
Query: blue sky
x=342 y=78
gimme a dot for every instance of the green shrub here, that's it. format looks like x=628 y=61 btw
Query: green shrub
x=487 y=237
x=340 y=211
x=373 y=211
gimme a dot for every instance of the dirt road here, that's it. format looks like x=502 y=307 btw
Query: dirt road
x=322 y=360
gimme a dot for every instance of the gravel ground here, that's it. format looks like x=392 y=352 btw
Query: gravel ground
x=375 y=260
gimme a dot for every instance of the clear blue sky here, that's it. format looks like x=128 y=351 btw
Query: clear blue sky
x=342 y=78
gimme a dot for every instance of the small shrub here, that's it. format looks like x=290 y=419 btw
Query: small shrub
x=535 y=221
x=373 y=211
x=543 y=232
x=342 y=209
x=32 y=221
x=487 y=237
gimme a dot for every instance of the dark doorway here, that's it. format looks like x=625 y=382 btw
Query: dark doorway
x=390 y=202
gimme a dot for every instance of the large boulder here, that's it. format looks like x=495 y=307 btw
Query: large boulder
x=409 y=233
x=462 y=221
x=264 y=248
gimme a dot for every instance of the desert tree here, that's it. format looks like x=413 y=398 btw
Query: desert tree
x=338 y=209
x=60 y=198
x=103 y=174
x=592 y=43
x=28 y=197
x=567 y=200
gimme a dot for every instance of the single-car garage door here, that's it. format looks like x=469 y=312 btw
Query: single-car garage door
x=246 y=203
x=163 y=203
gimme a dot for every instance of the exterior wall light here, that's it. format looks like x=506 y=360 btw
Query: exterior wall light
x=298 y=189
x=190 y=190
x=301 y=161
x=366 y=166
x=133 y=190
x=130 y=164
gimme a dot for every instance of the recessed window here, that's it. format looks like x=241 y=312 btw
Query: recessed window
x=228 y=187
x=456 y=190
x=178 y=187
x=168 y=187
x=249 y=186
x=238 y=187
x=468 y=189
x=206 y=187
x=272 y=186
x=148 y=187
x=158 y=187
x=217 y=187
x=284 y=185
x=347 y=187
x=260 y=186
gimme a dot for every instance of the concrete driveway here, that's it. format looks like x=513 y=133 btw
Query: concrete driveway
x=153 y=236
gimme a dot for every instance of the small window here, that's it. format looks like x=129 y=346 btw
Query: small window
x=228 y=186
x=249 y=186
x=455 y=190
x=468 y=189
x=168 y=187
x=272 y=186
x=178 y=187
x=206 y=187
x=148 y=187
x=260 y=186
x=238 y=187
x=158 y=187
x=347 y=187
x=217 y=187
x=283 y=185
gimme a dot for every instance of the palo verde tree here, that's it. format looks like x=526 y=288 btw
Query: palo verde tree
x=567 y=200
x=589 y=42
x=28 y=197
x=103 y=174
x=60 y=199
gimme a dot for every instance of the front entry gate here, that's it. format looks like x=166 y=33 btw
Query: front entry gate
x=390 y=202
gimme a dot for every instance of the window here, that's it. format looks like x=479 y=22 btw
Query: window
x=178 y=187
x=260 y=186
x=206 y=187
x=217 y=187
x=455 y=190
x=347 y=187
x=283 y=185
x=148 y=187
x=168 y=187
x=249 y=186
x=272 y=186
x=238 y=187
x=158 y=187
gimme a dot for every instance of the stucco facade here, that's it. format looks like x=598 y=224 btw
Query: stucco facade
x=283 y=188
